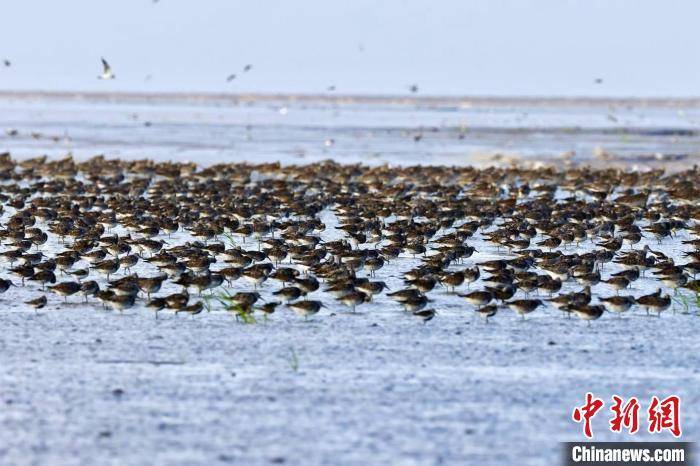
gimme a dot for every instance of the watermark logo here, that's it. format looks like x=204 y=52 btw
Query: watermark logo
x=625 y=416
x=628 y=453
x=662 y=415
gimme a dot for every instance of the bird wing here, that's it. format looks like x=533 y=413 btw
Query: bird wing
x=105 y=65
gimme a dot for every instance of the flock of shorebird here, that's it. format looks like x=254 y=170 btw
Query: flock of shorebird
x=117 y=231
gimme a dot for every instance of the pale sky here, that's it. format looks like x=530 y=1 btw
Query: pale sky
x=460 y=47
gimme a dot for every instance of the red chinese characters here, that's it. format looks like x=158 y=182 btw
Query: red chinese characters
x=662 y=414
x=626 y=416
x=586 y=412
x=665 y=415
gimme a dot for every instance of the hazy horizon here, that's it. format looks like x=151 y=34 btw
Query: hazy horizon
x=478 y=48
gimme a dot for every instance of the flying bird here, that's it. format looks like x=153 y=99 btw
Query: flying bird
x=598 y=80
x=107 y=72
x=247 y=68
x=6 y=62
x=230 y=78
x=413 y=88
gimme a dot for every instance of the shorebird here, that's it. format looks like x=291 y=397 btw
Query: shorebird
x=89 y=288
x=654 y=302
x=565 y=301
x=674 y=281
x=79 y=273
x=66 y=289
x=255 y=275
x=157 y=304
x=307 y=285
x=631 y=274
x=478 y=298
x=425 y=314
x=288 y=293
x=453 y=280
x=374 y=264
x=124 y=287
x=208 y=281
x=405 y=295
x=487 y=311
x=423 y=284
x=340 y=289
x=44 y=277
x=5 y=285
x=128 y=261
x=192 y=309
x=306 y=308
x=549 y=285
x=353 y=299
x=268 y=308
x=618 y=283
x=471 y=275
x=245 y=299
x=619 y=304
x=37 y=303
x=550 y=243
x=588 y=312
x=107 y=267
x=502 y=293
x=106 y=71
x=177 y=300
x=415 y=304
x=121 y=302
x=371 y=288
x=150 y=285
x=524 y=306
x=23 y=271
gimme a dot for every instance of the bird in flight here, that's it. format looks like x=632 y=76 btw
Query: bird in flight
x=247 y=68
x=598 y=80
x=6 y=62
x=230 y=77
x=107 y=72
x=413 y=88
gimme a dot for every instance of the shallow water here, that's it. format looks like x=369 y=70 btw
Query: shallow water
x=452 y=132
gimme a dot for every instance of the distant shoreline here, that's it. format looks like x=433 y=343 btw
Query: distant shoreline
x=459 y=101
